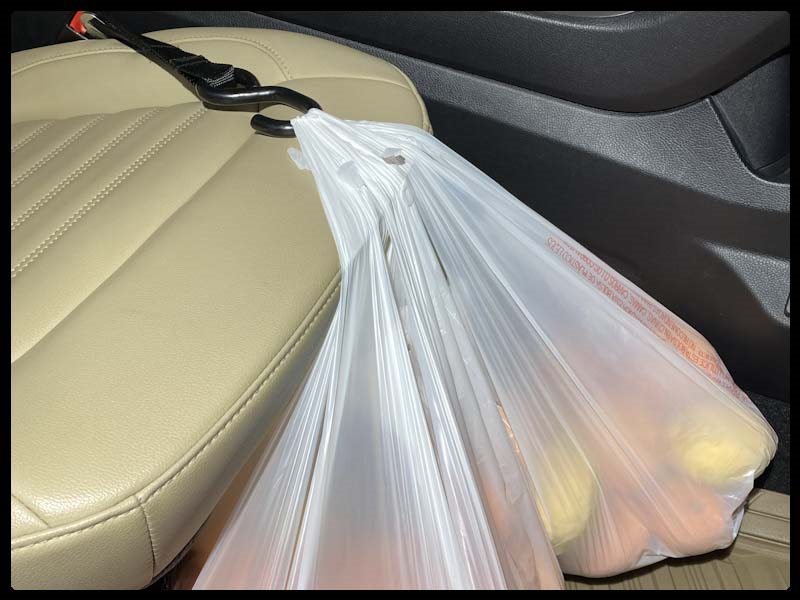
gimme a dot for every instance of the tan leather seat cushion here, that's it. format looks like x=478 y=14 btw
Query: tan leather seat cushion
x=172 y=274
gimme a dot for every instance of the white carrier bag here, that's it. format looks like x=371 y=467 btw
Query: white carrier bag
x=492 y=404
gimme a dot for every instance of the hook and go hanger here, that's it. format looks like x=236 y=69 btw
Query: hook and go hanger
x=216 y=84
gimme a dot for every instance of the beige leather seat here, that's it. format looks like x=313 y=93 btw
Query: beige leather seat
x=172 y=274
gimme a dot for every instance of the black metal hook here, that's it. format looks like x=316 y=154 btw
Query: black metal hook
x=200 y=75
x=269 y=95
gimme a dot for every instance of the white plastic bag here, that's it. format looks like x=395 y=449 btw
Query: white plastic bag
x=491 y=404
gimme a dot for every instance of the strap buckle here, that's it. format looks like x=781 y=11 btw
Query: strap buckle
x=87 y=19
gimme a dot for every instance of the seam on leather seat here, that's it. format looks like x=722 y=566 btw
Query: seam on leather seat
x=105 y=192
x=82 y=529
x=232 y=418
x=149 y=537
x=269 y=51
x=107 y=147
x=222 y=425
x=352 y=77
x=29 y=509
x=32 y=135
x=57 y=57
x=426 y=123
x=214 y=173
x=246 y=403
x=55 y=151
x=409 y=88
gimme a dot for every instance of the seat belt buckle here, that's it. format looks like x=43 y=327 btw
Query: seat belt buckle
x=74 y=30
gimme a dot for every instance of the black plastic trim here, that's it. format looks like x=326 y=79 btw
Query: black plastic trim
x=642 y=61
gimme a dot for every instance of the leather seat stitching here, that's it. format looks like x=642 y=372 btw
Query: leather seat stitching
x=29 y=509
x=269 y=51
x=82 y=530
x=104 y=193
x=32 y=136
x=215 y=172
x=140 y=503
x=55 y=151
x=108 y=146
x=57 y=57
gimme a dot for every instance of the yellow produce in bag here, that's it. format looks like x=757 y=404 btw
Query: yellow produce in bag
x=492 y=403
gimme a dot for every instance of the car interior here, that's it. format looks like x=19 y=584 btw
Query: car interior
x=173 y=274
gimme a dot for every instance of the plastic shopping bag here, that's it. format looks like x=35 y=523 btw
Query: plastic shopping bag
x=492 y=403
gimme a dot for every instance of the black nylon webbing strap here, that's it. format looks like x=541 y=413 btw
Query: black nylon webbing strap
x=191 y=67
